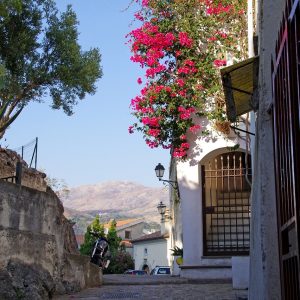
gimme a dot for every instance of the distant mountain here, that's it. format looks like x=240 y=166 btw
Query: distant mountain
x=114 y=199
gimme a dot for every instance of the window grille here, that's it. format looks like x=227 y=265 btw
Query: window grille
x=286 y=118
x=226 y=205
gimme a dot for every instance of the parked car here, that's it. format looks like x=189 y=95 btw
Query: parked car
x=135 y=272
x=161 y=270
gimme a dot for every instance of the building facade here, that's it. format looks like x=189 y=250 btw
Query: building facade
x=274 y=263
x=151 y=250
x=214 y=206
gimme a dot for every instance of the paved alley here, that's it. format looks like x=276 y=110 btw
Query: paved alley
x=154 y=287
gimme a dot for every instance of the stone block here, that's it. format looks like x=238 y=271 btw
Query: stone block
x=240 y=272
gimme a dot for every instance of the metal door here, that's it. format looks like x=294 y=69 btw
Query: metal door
x=226 y=206
x=286 y=95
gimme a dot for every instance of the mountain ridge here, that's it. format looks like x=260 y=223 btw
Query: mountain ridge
x=114 y=199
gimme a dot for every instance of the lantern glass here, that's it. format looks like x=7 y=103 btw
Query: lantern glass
x=159 y=170
x=161 y=208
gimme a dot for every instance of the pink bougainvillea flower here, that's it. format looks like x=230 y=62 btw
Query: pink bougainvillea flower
x=222 y=34
x=185 y=113
x=151 y=144
x=180 y=67
x=153 y=122
x=145 y=2
x=212 y=39
x=185 y=145
x=220 y=62
x=180 y=82
x=130 y=129
x=184 y=39
x=219 y=9
x=179 y=153
x=154 y=132
x=195 y=128
x=139 y=17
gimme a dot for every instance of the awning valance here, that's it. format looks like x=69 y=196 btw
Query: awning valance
x=239 y=83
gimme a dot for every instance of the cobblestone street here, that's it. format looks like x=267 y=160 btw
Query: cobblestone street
x=146 y=287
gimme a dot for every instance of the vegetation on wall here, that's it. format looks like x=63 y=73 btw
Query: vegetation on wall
x=181 y=45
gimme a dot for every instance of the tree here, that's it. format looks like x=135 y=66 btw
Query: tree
x=59 y=187
x=120 y=260
x=112 y=237
x=39 y=56
x=89 y=239
x=119 y=263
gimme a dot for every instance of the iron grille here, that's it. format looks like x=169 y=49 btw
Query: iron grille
x=226 y=205
x=286 y=93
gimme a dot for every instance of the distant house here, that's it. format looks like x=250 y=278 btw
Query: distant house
x=151 y=250
x=128 y=230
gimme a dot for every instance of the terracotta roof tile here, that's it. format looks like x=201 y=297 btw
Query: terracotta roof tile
x=121 y=223
x=152 y=236
x=126 y=243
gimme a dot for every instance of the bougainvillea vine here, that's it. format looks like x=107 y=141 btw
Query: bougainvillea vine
x=181 y=45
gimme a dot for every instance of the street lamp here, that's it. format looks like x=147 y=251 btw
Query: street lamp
x=159 y=171
x=162 y=210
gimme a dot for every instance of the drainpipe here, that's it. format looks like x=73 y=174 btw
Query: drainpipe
x=250 y=117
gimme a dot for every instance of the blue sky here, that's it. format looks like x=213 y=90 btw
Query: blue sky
x=93 y=145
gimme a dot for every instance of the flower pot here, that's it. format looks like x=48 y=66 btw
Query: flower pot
x=179 y=260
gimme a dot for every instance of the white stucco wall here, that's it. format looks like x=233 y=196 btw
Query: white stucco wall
x=175 y=228
x=264 y=261
x=157 y=253
x=189 y=181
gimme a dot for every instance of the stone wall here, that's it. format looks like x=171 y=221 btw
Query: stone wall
x=35 y=237
x=30 y=177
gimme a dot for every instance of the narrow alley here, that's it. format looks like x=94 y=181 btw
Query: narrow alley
x=158 y=287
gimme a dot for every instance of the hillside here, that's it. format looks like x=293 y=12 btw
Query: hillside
x=113 y=199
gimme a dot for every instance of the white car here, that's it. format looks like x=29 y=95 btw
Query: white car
x=161 y=270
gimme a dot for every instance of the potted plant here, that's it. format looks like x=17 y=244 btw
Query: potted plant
x=176 y=251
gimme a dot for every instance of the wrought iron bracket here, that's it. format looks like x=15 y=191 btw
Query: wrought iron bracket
x=172 y=183
x=236 y=128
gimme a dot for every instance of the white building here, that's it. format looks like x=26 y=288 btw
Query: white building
x=273 y=84
x=151 y=250
x=212 y=218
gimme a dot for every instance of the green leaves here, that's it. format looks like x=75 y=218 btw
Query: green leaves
x=182 y=45
x=89 y=239
x=40 y=54
x=176 y=251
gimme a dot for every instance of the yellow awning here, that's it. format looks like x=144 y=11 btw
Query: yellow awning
x=239 y=83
